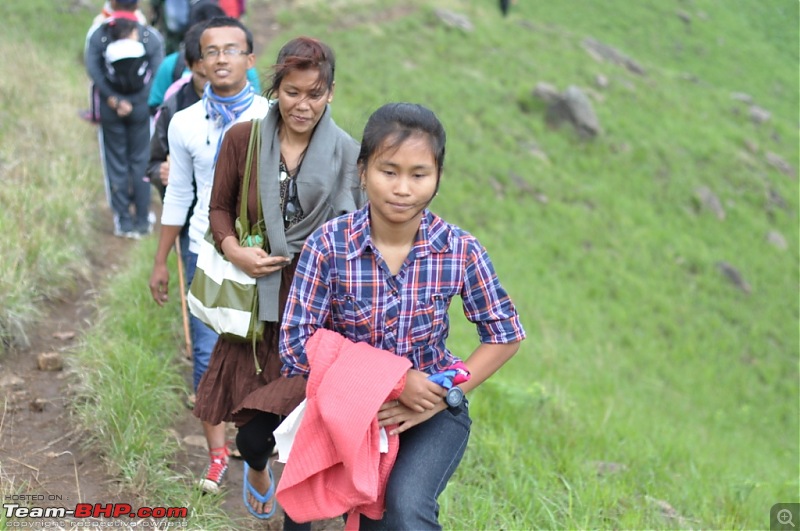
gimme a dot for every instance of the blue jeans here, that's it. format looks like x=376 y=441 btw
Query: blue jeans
x=429 y=454
x=203 y=338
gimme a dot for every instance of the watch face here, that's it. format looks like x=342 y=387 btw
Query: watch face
x=454 y=396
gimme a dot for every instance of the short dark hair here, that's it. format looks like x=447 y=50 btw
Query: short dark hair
x=204 y=12
x=191 y=43
x=120 y=28
x=394 y=123
x=126 y=5
x=303 y=53
x=230 y=22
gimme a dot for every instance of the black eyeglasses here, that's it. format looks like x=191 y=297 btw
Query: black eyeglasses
x=230 y=52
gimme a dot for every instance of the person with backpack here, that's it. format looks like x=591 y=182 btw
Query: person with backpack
x=92 y=114
x=125 y=119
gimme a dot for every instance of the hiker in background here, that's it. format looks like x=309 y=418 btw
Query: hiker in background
x=175 y=17
x=125 y=121
x=188 y=94
x=174 y=66
x=306 y=175
x=233 y=8
x=386 y=275
x=92 y=114
x=105 y=13
x=194 y=137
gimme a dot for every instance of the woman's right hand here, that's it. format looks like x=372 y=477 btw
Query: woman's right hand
x=419 y=393
x=254 y=261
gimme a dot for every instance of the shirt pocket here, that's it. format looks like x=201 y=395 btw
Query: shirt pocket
x=352 y=317
x=428 y=321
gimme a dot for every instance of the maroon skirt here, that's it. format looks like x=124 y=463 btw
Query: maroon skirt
x=232 y=391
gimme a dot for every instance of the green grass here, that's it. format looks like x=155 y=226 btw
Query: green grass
x=49 y=173
x=641 y=354
x=640 y=351
x=132 y=391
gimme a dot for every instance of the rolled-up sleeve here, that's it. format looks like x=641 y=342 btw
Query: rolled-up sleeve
x=486 y=302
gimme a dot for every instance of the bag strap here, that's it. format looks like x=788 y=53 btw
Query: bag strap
x=253 y=146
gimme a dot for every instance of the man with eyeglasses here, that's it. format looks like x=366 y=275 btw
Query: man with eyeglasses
x=194 y=136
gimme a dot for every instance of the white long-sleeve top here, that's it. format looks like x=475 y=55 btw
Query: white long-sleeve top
x=193 y=142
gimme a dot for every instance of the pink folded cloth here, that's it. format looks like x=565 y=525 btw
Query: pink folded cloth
x=335 y=466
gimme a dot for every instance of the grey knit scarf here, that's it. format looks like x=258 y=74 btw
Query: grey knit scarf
x=327 y=186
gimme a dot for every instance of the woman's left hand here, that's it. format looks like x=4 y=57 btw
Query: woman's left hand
x=394 y=412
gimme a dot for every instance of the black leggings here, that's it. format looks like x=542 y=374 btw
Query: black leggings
x=255 y=442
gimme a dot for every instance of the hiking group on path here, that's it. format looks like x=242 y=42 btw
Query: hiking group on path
x=354 y=274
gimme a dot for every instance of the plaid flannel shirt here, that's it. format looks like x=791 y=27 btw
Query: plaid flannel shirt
x=343 y=284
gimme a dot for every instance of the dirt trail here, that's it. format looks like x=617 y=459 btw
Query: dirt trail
x=40 y=443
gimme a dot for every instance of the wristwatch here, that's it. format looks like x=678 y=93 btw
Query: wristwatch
x=454 y=397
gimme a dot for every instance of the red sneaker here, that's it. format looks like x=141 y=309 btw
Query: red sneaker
x=216 y=470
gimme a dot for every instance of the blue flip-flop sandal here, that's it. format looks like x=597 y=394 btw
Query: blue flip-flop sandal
x=261 y=498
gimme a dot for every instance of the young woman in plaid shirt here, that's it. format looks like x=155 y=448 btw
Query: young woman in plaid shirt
x=385 y=275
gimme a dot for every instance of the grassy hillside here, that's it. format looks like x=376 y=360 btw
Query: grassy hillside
x=643 y=361
x=652 y=392
x=48 y=162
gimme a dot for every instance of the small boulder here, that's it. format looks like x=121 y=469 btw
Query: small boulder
x=11 y=381
x=454 y=20
x=776 y=239
x=50 y=361
x=710 y=201
x=779 y=164
x=37 y=405
x=733 y=274
x=759 y=115
x=604 y=52
x=576 y=108
x=546 y=92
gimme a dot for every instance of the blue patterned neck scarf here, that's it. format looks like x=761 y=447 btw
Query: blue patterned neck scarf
x=224 y=111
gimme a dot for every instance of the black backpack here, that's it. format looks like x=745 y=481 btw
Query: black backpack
x=180 y=66
x=131 y=74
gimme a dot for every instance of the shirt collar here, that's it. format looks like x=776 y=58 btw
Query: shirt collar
x=433 y=235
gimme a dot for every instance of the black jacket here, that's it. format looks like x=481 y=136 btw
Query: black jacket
x=159 y=142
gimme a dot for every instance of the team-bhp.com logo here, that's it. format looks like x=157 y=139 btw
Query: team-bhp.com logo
x=14 y=511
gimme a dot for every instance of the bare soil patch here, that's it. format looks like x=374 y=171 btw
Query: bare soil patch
x=40 y=443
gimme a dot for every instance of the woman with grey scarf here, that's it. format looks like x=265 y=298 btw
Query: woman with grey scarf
x=306 y=174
